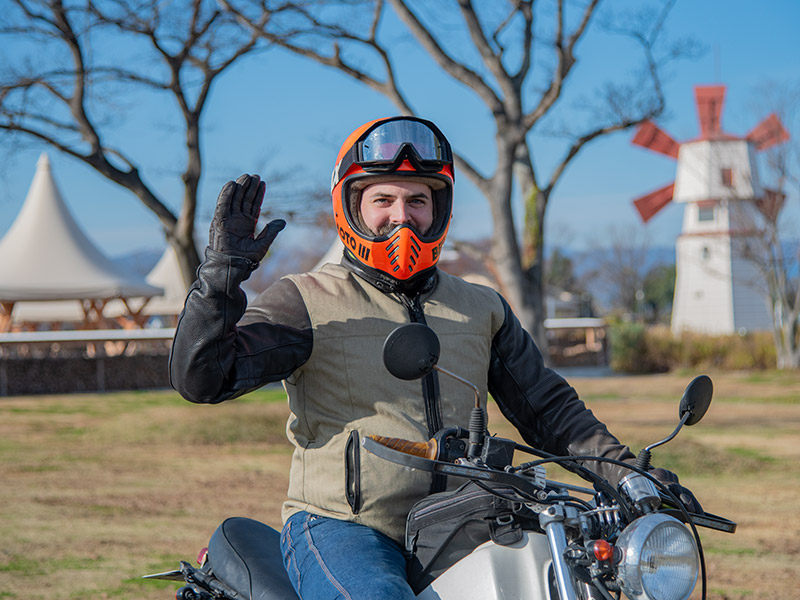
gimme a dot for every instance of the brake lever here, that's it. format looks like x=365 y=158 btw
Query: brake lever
x=707 y=520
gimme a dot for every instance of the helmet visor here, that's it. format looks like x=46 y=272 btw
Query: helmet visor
x=385 y=142
x=383 y=148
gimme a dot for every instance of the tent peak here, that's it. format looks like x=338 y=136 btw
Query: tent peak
x=44 y=161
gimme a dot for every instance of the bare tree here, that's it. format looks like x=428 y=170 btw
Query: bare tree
x=517 y=57
x=617 y=269
x=61 y=93
x=770 y=242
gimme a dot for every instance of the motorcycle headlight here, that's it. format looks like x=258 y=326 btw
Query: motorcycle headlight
x=660 y=560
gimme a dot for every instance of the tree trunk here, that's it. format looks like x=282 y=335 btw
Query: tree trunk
x=184 y=228
x=787 y=347
x=533 y=265
x=522 y=285
x=188 y=258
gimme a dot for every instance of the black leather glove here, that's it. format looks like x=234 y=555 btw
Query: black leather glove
x=669 y=479
x=235 y=218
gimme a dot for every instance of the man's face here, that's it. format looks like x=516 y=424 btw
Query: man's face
x=387 y=204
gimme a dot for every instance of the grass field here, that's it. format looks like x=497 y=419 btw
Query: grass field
x=100 y=489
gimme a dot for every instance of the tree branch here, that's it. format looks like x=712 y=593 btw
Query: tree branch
x=576 y=146
x=565 y=62
x=492 y=61
x=389 y=87
x=454 y=68
x=526 y=8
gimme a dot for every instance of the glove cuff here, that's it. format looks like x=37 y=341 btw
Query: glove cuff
x=231 y=260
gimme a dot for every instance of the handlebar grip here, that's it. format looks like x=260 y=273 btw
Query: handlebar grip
x=429 y=449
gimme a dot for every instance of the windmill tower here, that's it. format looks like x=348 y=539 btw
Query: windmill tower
x=717 y=290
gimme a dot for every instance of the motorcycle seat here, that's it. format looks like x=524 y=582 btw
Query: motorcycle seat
x=245 y=554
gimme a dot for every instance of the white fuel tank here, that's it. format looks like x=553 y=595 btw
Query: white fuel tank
x=491 y=572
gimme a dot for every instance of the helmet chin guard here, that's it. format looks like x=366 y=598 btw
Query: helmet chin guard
x=393 y=149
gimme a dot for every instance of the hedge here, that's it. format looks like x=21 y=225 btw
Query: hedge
x=639 y=349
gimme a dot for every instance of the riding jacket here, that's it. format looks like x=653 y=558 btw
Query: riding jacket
x=322 y=334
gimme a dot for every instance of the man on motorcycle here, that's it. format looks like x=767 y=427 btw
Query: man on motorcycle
x=322 y=334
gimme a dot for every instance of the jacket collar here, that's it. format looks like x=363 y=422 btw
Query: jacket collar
x=421 y=283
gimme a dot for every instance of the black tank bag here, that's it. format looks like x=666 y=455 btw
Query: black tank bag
x=443 y=528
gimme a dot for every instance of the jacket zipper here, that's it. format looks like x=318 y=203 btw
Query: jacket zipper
x=430 y=389
x=430 y=383
x=352 y=472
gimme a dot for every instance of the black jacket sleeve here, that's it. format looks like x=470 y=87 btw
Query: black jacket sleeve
x=543 y=407
x=219 y=351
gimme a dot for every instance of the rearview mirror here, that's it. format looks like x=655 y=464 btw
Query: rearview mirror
x=411 y=351
x=696 y=399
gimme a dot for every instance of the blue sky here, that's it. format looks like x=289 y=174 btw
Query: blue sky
x=278 y=112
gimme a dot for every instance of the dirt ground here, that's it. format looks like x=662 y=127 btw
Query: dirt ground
x=100 y=489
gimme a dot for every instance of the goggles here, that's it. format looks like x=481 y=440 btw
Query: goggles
x=384 y=147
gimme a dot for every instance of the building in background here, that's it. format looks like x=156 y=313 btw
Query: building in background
x=719 y=288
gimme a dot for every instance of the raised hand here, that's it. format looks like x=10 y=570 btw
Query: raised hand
x=232 y=230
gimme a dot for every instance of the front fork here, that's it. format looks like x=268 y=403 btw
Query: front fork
x=552 y=521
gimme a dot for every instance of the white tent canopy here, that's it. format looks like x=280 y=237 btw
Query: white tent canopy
x=46 y=257
x=166 y=274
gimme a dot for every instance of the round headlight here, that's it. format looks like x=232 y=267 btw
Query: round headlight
x=660 y=559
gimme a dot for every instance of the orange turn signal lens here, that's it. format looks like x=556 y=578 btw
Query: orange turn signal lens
x=603 y=550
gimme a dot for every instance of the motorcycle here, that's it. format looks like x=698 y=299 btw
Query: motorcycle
x=508 y=531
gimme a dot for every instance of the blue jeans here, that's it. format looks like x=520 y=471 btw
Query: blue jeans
x=331 y=559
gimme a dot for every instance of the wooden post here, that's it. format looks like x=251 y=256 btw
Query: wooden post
x=5 y=316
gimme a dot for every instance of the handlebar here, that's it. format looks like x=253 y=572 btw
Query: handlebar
x=423 y=456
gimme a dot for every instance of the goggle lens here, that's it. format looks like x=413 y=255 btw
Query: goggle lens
x=385 y=141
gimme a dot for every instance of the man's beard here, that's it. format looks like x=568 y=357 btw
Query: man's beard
x=387 y=228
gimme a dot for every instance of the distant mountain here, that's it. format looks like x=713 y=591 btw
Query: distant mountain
x=140 y=261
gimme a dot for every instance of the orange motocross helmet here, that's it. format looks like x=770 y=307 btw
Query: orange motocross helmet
x=394 y=148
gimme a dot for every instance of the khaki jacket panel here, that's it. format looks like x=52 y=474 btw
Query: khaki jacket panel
x=344 y=392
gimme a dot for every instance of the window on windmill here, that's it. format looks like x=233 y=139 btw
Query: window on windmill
x=726 y=174
x=706 y=253
x=705 y=212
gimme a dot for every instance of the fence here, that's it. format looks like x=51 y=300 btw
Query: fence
x=54 y=362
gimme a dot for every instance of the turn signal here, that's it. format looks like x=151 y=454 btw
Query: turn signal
x=603 y=550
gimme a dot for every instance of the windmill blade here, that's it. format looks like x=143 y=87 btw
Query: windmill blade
x=653 y=202
x=768 y=133
x=650 y=136
x=770 y=204
x=709 y=99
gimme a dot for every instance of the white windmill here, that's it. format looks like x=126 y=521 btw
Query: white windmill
x=717 y=289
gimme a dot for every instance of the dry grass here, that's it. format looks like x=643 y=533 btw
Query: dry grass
x=100 y=489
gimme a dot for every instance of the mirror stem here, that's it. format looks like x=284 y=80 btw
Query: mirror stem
x=474 y=387
x=685 y=416
x=643 y=458
x=477 y=419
